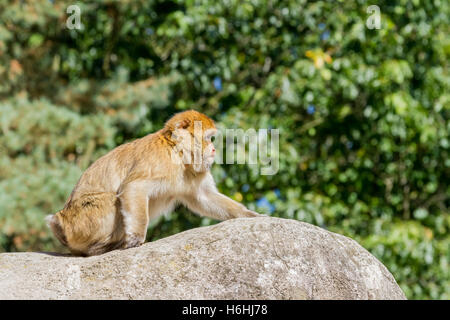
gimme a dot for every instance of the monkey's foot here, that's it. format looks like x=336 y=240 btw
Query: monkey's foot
x=133 y=240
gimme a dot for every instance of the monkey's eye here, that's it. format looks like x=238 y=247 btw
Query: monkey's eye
x=210 y=138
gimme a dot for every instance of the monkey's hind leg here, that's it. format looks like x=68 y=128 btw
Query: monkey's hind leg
x=93 y=225
x=134 y=210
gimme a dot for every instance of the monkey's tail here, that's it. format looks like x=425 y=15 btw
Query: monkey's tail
x=54 y=224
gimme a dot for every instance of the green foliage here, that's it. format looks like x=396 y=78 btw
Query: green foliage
x=363 y=114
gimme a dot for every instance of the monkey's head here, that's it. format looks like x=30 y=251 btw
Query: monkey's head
x=192 y=133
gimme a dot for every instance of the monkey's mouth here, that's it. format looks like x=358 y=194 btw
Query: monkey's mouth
x=209 y=160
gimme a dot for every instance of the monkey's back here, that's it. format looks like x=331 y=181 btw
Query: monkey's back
x=147 y=158
x=90 y=219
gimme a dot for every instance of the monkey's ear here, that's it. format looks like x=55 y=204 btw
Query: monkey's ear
x=183 y=124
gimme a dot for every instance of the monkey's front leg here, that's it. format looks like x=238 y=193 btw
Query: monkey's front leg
x=218 y=206
x=134 y=209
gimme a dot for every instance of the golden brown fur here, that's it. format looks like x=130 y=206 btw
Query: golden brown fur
x=115 y=198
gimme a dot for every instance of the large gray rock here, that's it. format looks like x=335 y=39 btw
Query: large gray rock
x=249 y=258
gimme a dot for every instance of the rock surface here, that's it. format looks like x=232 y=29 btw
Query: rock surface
x=249 y=258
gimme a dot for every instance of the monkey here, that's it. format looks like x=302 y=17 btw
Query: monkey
x=115 y=198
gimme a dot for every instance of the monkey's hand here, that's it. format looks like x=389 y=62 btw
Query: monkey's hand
x=253 y=214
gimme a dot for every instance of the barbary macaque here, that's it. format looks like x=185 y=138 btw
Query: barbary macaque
x=115 y=198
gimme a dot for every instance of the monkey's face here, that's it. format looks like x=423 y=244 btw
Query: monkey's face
x=203 y=148
x=209 y=151
x=195 y=145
